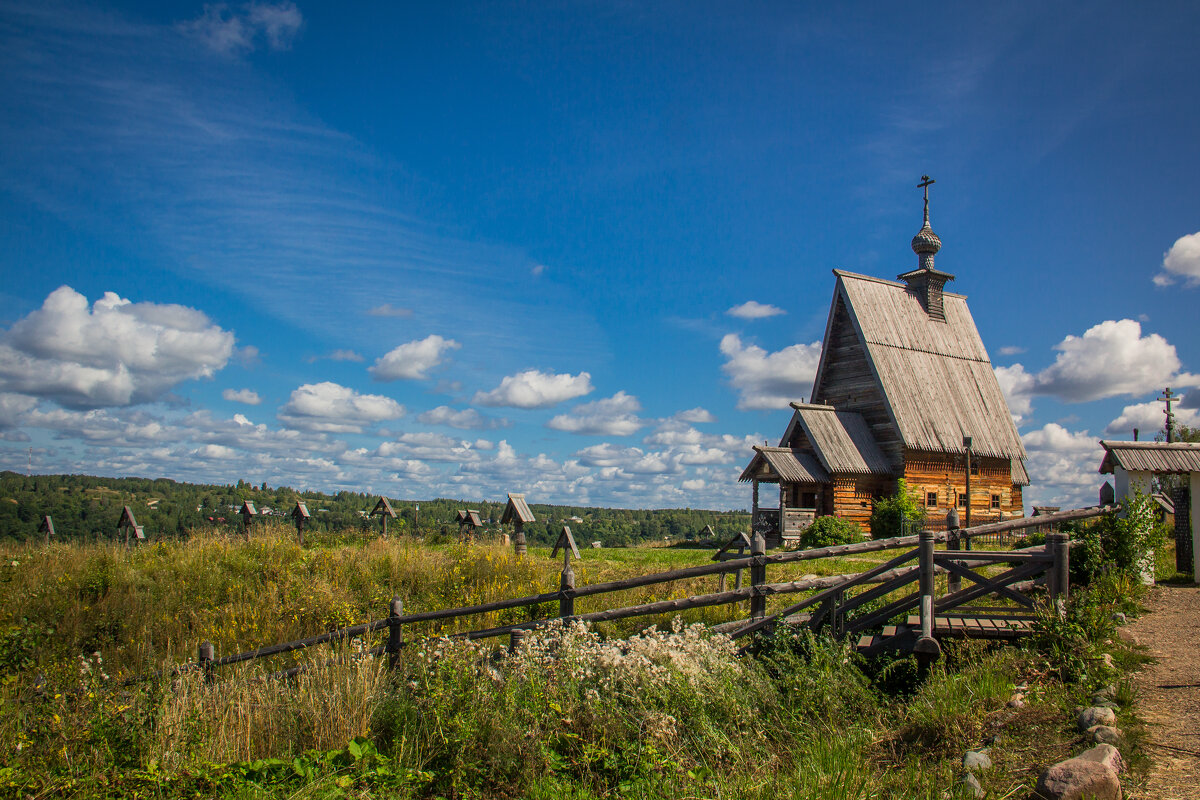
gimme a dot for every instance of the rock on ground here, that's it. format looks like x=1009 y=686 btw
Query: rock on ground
x=1079 y=778
x=1096 y=715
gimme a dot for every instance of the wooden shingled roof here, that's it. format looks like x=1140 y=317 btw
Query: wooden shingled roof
x=784 y=463
x=517 y=510
x=1160 y=457
x=842 y=440
x=936 y=377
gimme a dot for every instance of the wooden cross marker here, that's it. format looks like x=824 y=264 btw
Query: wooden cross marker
x=1169 y=398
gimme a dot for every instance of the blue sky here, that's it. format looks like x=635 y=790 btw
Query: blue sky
x=581 y=250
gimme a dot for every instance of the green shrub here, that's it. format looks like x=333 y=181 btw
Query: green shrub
x=1119 y=541
x=828 y=531
x=891 y=513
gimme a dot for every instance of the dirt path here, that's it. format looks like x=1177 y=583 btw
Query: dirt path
x=1170 y=690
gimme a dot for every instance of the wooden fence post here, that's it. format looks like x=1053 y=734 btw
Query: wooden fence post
x=927 y=647
x=514 y=640
x=394 y=642
x=1058 y=582
x=566 y=585
x=758 y=576
x=520 y=545
x=953 y=542
x=207 y=655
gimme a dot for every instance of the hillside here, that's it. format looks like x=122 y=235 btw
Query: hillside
x=86 y=508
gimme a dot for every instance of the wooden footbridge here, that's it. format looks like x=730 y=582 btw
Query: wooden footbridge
x=973 y=600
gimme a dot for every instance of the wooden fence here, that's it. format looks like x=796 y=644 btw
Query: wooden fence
x=832 y=600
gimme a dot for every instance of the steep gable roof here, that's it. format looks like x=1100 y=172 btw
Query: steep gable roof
x=789 y=464
x=936 y=377
x=840 y=439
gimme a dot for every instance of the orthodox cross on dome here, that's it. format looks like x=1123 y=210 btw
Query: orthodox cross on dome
x=926 y=243
x=924 y=184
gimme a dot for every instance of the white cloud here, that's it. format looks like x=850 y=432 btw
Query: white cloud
x=536 y=389
x=1011 y=350
x=466 y=419
x=1063 y=466
x=231 y=32
x=612 y=416
x=695 y=415
x=12 y=406
x=389 y=310
x=412 y=360
x=1181 y=261
x=113 y=354
x=769 y=380
x=627 y=460
x=537 y=270
x=754 y=310
x=337 y=355
x=331 y=408
x=1018 y=386
x=1149 y=419
x=1110 y=359
x=103 y=427
x=694 y=484
x=247 y=396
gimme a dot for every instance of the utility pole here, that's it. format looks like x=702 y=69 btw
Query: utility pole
x=29 y=468
x=967 y=448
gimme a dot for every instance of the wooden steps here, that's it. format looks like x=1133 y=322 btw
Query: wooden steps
x=972 y=627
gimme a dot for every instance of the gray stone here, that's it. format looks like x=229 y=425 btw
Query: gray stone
x=1106 y=734
x=1119 y=618
x=974 y=789
x=1105 y=754
x=976 y=761
x=1101 y=701
x=1018 y=701
x=1096 y=715
x=1077 y=778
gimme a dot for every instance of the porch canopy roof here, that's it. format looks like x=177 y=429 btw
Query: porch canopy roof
x=1158 y=457
x=775 y=464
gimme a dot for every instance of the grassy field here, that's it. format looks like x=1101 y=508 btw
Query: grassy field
x=577 y=713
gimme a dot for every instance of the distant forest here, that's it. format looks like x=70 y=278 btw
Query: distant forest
x=88 y=508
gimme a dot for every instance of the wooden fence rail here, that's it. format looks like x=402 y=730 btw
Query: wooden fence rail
x=831 y=591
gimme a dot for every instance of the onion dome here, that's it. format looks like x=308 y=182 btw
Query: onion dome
x=926 y=241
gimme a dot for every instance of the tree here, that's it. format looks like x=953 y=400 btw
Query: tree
x=891 y=513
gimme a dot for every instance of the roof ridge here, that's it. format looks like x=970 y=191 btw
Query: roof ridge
x=842 y=273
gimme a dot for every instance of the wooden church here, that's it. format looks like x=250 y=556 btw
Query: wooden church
x=904 y=389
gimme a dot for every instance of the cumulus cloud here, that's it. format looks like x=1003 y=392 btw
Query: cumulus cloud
x=754 y=310
x=536 y=389
x=331 y=408
x=1181 y=262
x=412 y=360
x=389 y=310
x=694 y=415
x=468 y=419
x=247 y=396
x=236 y=31
x=612 y=416
x=628 y=460
x=769 y=380
x=12 y=406
x=1150 y=419
x=1063 y=466
x=1011 y=350
x=114 y=353
x=1018 y=387
x=103 y=427
x=1110 y=359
